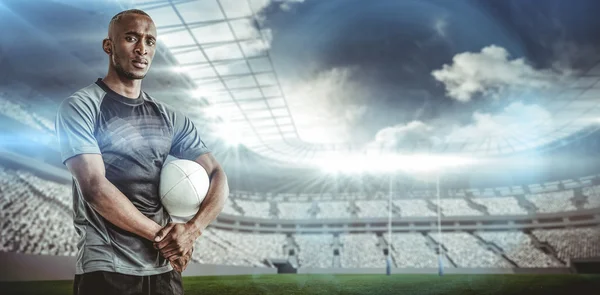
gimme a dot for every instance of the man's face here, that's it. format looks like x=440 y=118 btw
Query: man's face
x=133 y=45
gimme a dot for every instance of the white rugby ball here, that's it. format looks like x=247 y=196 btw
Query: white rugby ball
x=183 y=186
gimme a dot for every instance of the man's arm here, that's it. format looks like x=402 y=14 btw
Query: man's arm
x=217 y=193
x=177 y=239
x=106 y=199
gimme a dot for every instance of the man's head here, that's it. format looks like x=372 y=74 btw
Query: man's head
x=131 y=44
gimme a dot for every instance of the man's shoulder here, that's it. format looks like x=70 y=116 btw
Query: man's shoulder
x=89 y=95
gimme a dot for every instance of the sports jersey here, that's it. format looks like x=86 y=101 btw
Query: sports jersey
x=134 y=138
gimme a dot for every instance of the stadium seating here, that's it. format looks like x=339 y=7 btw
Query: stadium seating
x=501 y=205
x=411 y=250
x=456 y=207
x=36 y=218
x=375 y=208
x=254 y=208
x=314 y=250
x=244 y=249
x=260 y=246
x=572 y=242
x=60 y=192
x=30 y=223
x=333 y=209
x=360 y=250
x=209 y=249
x=294 y=210
x=519 y=247
x=229 y=209
x=413 y=208
x=466 y=251
x=593 y=196
x=553 y=202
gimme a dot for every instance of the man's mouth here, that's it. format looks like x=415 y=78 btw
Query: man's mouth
x=140 y=64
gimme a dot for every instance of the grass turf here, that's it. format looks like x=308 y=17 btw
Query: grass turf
x=358 y=284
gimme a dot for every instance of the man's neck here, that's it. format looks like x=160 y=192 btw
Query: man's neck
x=123 y=86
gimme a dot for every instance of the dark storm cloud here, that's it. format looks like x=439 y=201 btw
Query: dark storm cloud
x=395 y=45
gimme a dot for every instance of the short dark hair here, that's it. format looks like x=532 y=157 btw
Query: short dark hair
x=115 y=19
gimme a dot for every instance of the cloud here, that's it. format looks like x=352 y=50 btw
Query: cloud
x=572 y=58
x=490 y=72
x=327 y=105
x=289 y=5
x=441 y=26
x=516 y=118
x=414 y=134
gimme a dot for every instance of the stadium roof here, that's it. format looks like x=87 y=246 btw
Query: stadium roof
x=216 y=44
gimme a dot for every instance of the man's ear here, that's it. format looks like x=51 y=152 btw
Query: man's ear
x=107 y=45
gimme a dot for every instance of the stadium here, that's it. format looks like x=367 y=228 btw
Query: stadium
x=382 y=147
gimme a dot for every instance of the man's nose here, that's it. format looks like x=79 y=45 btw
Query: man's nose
x=141 y=49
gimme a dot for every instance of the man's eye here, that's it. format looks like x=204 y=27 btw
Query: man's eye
x=151 y=42
x=129 y=38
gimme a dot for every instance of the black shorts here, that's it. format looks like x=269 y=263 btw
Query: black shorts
x=103 y=282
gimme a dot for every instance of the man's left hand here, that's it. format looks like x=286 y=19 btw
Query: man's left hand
x=176 y=240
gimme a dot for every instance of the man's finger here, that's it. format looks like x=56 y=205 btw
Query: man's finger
x=176 y=253
x=172 y=252
x=173 y=257
x=166 y=241
x=163 y=232
x=169 y=247
x=176 y=266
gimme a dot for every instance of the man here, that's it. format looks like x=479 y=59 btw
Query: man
x=114 y=139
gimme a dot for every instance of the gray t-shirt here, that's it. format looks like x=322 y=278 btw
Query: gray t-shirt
x=134 y=137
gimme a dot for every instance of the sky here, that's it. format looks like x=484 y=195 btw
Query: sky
x=376 y=75
x=391 y=73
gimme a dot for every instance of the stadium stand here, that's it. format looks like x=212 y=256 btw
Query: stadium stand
x=52 y=190
x=500 y=205
x=519 y=247
x=360 y=250
x=233 y=248
x=412 y=250
x=294 y=210
x=593 y=196
x=210 y=249
x=333 y=209
x=254 y=209
x=260 y=246
x=466 y=251
x=30 y=223
x=314 y=250
x=572 y=242
x=413 y=208
x=35 y=218
x=374 y=208
x=456 y=207
x=229 y=209
x=552 y=202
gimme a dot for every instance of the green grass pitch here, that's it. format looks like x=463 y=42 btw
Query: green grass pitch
x=358 y=284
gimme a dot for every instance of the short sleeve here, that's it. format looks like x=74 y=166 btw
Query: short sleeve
x=74 y=125
x=187 y=143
